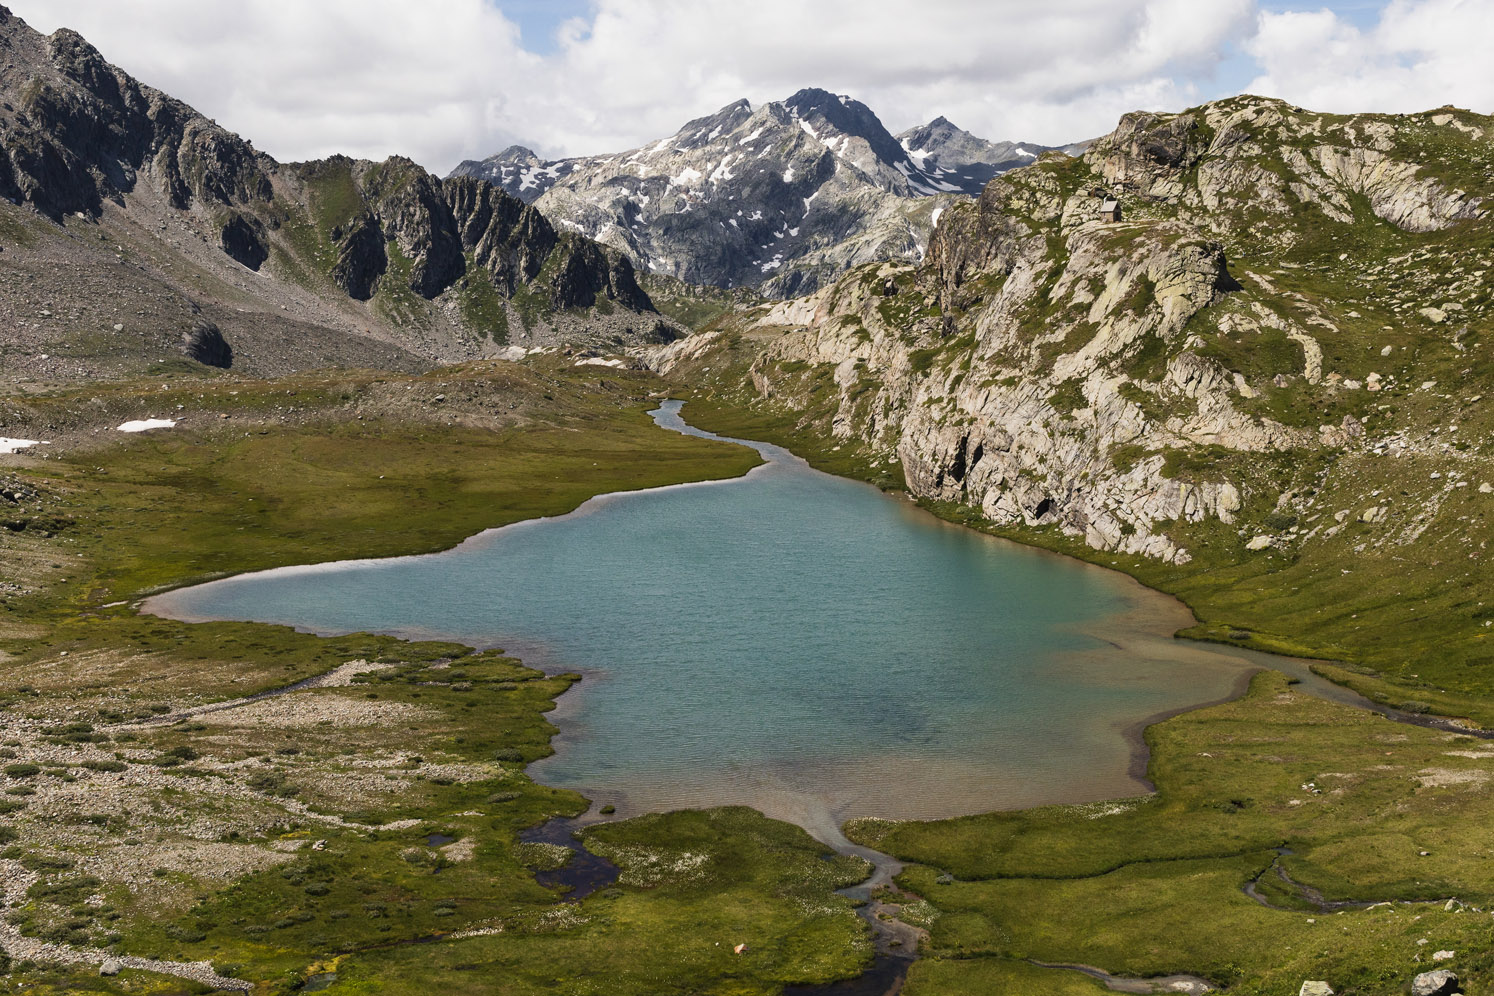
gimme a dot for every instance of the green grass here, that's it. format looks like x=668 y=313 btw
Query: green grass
x=847 y=458
x=166 y=509
x=695 y=885
x=938 y=976
x=335 y=198
x=1154 y=886
x=483 y=306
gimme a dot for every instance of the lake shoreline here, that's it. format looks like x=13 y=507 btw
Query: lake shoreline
x=1146 y=624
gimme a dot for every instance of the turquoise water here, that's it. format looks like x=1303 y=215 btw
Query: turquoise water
x=789 y=640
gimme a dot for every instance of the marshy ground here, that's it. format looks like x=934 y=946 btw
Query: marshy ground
x=363 y=830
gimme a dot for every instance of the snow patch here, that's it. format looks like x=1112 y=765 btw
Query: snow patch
x=788 y=175
x=934 y=218
x=145 y=424
x=532 y=175
x=9 y=445
x=751 y=138
x=722 y=172
x=687 y=176
x=597 y=361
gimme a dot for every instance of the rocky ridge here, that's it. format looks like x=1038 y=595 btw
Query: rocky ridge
x=784 y=196
x=969 y=161
x=288 y=265
x=1195 y=373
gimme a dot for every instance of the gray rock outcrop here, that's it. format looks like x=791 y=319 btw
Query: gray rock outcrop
x=204 y=343
x=1115 y=380
x=1442 y=982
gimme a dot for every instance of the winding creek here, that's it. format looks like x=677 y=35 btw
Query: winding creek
x=795 y=642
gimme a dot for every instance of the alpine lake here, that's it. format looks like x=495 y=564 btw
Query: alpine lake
x=792 y=641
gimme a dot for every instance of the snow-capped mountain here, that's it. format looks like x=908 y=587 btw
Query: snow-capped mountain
x=784 y=195
x=943 y=150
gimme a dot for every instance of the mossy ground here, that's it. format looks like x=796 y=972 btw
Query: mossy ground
x=291 y=837
x=1361 y=809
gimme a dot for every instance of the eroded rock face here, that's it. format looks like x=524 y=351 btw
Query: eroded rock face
x=243 y=239
x=82 y=132
x=1030 y=441
x=412 y=210
x=204 y=343
x=361 y=259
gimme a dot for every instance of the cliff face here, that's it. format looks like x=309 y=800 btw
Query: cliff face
x=383 y=252
x=1284 y=290
x=75 y=132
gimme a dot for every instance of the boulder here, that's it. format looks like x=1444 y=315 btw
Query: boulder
x=204 y=343
x=111 y=967
x=1438 y=983
x=1311 y=988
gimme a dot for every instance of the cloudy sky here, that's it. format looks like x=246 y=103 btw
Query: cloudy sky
x=445 y=80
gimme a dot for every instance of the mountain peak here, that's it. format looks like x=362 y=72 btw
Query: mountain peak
x=518 y=153
x=849 y=117
x=779 y=196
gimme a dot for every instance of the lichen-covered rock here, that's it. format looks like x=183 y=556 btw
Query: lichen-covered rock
x=1442 y=982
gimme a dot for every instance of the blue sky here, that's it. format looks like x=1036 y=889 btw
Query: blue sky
x=539 y=20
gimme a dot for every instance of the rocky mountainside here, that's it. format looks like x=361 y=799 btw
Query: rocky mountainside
x=134 y=229
x=961 y=157
x=784 y=196
x=1276 y=358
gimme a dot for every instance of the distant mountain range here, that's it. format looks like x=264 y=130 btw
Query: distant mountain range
x=784 y=196
x=133 y=229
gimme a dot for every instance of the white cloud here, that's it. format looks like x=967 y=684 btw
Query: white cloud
x=1055 y=71
x=303 y=79
x=443 y=80
x=1420 y=54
